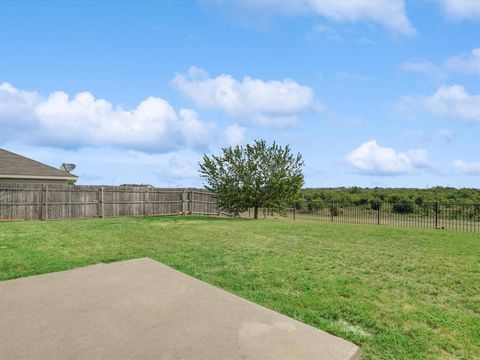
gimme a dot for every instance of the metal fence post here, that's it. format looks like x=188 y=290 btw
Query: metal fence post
x=436 y=215
x=332 y=210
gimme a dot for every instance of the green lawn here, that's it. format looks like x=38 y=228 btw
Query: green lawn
x=398 y=293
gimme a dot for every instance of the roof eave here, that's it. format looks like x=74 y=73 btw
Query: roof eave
x=38 y=177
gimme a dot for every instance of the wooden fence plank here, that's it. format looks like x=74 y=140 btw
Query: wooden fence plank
x=58 y=201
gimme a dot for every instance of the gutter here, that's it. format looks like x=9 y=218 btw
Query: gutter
x=35 y=177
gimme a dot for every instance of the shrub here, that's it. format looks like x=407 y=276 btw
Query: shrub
x=402 y=208
x=374 y=204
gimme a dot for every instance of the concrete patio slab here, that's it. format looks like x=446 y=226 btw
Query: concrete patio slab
x=141 y=309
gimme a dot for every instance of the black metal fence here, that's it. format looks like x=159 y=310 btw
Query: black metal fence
x=457 y=217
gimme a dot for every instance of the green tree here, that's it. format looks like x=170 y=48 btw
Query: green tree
x=257 y=175
x=419 y=200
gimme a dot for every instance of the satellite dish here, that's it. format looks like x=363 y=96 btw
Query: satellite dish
x=67 y=167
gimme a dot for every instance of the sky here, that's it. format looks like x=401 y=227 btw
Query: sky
x=372 y=93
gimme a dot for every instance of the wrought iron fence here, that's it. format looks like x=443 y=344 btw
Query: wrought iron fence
x=457 y=217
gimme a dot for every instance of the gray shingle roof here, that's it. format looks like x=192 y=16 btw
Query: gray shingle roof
x=15 y=165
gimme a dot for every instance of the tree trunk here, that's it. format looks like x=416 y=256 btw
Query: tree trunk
x=255 y=212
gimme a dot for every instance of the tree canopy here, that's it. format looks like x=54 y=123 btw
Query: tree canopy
x=357 y=195
x=256 y=176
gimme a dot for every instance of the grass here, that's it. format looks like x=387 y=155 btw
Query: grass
x=399 y=293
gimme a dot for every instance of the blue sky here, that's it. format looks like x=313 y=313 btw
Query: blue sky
x=372 y=93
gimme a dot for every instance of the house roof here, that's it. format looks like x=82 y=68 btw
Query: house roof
x=17 y=166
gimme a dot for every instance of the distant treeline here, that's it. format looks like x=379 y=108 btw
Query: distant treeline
x=364 y=196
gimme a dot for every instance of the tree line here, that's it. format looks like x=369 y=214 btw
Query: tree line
x=270 y=176
x=362 y=196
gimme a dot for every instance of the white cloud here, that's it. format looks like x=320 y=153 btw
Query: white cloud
x=16 y=105
x=460 y=63
x=234 y=135
x=418 y=158
x=467 y=168
x=372 y=159
x=448 y=101
x=465 y=63
x=271 y=103
x=424 y=67
x=461 y=9
x=82 y=120
x=182 y=167
x=195 y=132
x=322 y=31
x=107 y=165
x=388 y=13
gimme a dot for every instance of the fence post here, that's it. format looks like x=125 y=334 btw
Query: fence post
x=42 y=202
x=184 y=202
x=100 y=202
x=378 y=213
x=436 y=214
x=145 y=202
x=45 y=203
x=190 y=201
x=294 y=212
x=332 y=210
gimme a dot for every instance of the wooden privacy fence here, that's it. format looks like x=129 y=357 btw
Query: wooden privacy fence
x=58 y=202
